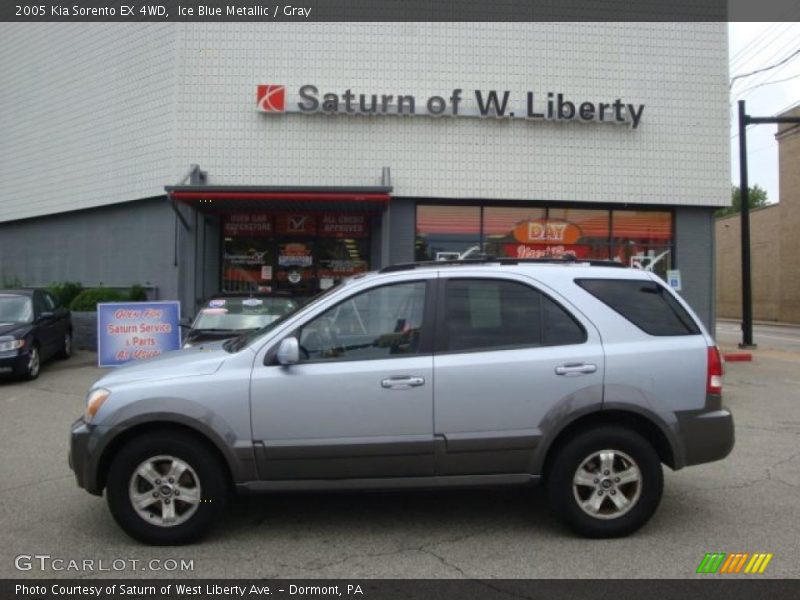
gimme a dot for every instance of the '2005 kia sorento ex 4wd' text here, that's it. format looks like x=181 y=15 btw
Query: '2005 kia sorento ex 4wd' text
x=584 y=377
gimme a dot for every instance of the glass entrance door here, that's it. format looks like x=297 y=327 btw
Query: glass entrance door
x=297 y=253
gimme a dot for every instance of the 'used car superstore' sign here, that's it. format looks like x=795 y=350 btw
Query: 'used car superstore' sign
x=550 y=106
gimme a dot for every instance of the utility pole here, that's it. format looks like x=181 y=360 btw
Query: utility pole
x=744 y=191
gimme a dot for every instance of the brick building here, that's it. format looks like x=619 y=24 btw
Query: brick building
x=774 y=244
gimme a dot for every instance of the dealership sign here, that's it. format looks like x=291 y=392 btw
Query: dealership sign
x=499 y=104
x=136 y=330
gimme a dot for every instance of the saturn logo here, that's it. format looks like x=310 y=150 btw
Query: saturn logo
x=271 y=98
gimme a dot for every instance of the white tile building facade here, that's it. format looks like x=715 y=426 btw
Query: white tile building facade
x=98 y=118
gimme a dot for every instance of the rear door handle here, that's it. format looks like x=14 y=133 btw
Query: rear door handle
x=573 y=369
x=402 y=383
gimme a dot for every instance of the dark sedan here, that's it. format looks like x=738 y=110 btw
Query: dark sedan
x=227 y=316
x=33 y=329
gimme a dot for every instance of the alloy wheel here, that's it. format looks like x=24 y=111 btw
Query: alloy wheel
x=33 y=363
x=607 y=484
x=164 y=491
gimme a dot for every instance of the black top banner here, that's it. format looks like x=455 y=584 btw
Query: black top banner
x=396 y=10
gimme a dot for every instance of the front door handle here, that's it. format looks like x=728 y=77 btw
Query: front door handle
x=572 y=369
x=402 y=383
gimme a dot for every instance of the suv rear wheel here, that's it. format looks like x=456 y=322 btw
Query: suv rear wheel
x=166 y=488
x=605 y=482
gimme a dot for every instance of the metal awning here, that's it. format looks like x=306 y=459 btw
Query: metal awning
x=230 y=198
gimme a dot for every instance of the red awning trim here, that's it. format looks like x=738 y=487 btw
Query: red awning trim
x=286 y=196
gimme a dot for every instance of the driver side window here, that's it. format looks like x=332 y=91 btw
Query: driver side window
x=383 y=322
x=39 y=305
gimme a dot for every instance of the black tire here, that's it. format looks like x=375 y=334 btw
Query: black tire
x=66 y=349
x=206 y=466
x=583 y=451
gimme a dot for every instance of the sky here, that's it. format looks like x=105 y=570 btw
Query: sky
x=753 y=46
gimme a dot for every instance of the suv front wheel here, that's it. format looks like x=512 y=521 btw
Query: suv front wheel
x=605 y=482
x=166 y=488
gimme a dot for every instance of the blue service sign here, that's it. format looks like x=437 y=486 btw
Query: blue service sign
x=136 y=330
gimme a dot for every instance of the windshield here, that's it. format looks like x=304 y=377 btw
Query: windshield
x=236 y=314
x=239 y=342
x=15 y=309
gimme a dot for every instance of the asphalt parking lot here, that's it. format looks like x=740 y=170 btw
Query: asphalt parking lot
x=747 y=503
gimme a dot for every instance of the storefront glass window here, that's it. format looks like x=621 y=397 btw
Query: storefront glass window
x=633 y=237
x=643 y=239
x=248 y=252
x=447 y=232
x=500 y=223
x=538 y=232
x=591 y=230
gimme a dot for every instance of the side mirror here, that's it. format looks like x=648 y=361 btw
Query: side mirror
x=185 y=322
x=46 y=316
x=289 y=352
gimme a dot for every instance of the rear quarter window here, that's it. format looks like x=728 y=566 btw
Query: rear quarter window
x=646 y=304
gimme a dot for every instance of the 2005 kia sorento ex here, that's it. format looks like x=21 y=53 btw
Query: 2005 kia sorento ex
x=587 y=378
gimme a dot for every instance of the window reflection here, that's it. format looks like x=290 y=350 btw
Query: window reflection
x=447 y=232
x=641 y=238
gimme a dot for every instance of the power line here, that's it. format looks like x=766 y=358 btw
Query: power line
x=739 y=55
x=778 y=64
x=758 y=44
x=767 y=82
x=786 y=47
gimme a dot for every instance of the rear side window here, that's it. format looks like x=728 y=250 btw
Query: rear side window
x=646 y=304
x=484 y=314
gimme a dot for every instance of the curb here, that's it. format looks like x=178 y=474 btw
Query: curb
x=738 y=357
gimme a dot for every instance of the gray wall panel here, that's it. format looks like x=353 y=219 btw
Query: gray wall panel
x=402 y=228
x=694 y=256
x=117 y=246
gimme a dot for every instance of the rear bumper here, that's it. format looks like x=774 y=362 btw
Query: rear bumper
x=707 y=435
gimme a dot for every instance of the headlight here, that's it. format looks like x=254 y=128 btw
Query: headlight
x=8 y=344
x=94 y=401
x=187 y=345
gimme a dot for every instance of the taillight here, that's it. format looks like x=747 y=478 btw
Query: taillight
x=714 y=377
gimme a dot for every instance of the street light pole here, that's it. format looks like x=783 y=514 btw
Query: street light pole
x=744 y=191
x=744 y=195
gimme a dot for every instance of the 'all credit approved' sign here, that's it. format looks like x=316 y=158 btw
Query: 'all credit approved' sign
x=136 y=330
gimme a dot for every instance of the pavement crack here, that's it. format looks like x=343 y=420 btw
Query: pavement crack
x=768 y=476
x=444 y=561
x=33 y=483
x=777 y=478
x=505 y=592
x=422 y=548
x=47 y=390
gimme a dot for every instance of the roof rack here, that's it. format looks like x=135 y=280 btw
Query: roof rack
x=488 y=259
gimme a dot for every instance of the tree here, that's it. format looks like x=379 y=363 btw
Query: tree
x=757 y=196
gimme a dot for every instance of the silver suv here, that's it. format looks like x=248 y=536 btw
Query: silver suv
x=581 y=376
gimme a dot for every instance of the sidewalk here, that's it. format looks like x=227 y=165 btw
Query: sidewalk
x=766 y=323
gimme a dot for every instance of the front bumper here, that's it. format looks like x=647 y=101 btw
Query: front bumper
x=83 y=455
x=12 y=363
x=707 y=435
